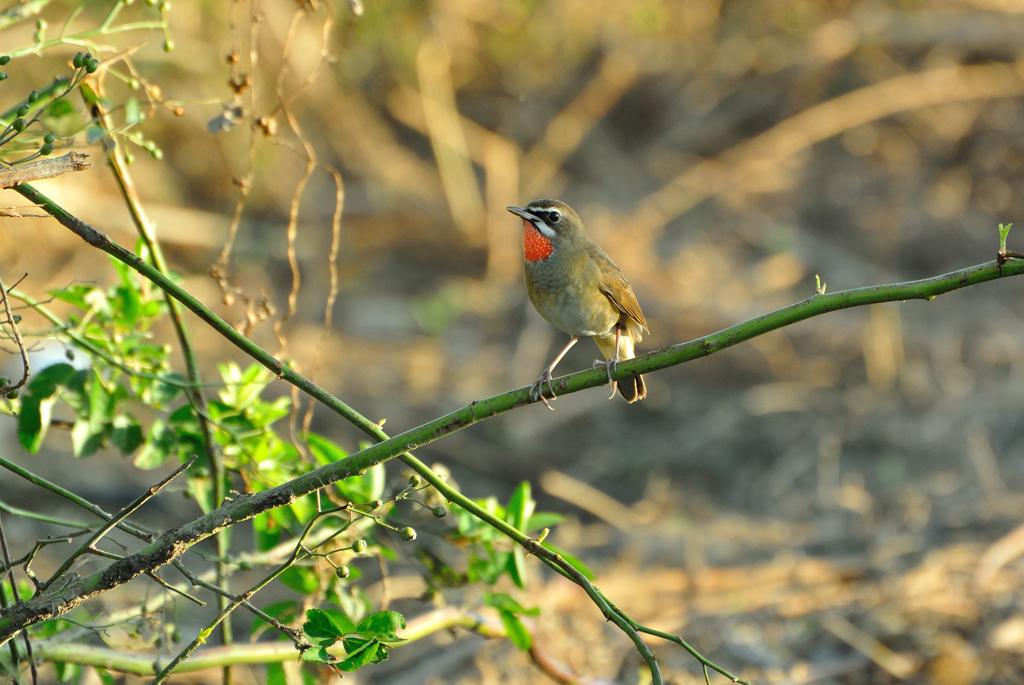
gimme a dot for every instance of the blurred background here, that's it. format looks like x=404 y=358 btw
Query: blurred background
x=835 y=502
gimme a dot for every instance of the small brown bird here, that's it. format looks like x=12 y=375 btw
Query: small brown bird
x=580 y=291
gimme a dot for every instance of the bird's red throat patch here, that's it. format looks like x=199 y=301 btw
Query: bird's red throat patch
x=535 y=245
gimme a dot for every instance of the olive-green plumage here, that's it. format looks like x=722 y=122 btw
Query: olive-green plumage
x=579 y=290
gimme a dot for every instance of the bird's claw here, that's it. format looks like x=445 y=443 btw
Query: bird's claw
x=610 y=366
x=537 y=389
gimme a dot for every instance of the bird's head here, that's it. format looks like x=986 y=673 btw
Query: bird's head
x=547 y=225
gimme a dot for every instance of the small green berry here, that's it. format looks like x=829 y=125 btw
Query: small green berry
x=165 y=6
x=244 y=566
x=342 y=571
x=78 y=60
x=19 y=124
x=129 y=158
x=46 y=149
x=168 y=45
x=4 y=380
x=49 y=138
x=13 y=395
x=3 y=75
x=375 y=504
x=91 y=66
x=175 y=636
x=415 y=481
x=359 y=546
x=33 y=96
x=439 y=512
x=133 y=83
x=408 y=533
x=156 y=153
x=4 y=59
x=22 y=111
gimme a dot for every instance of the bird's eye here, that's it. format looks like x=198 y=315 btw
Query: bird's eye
x=554 y=216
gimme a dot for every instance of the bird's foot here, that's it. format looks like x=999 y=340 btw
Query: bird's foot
x=537 y=389
x=609 y=366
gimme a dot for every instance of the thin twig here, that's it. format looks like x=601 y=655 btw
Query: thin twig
x=26 y=368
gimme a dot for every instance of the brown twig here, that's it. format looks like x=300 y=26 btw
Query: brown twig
x=26 y=367
x=44 y=168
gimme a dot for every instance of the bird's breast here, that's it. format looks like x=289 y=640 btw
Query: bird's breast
x=568 y=296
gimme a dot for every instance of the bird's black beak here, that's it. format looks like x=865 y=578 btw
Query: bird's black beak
x=522 y=213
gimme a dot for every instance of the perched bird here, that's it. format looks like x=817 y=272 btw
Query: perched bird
x=580 y=291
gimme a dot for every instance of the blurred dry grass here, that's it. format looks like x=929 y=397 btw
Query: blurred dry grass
x=837 y=489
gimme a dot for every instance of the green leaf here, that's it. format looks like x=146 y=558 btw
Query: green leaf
x=317 y=655
x=162 y=393
x=341 y=619
x=132 y=112
x=320 y=629
x=541 y=520
x=74 y=295
x=520 y=506
x=159 y=446
x=94 y=133
x=202 y=491
x=515 y=630
x=74 y=393
x=517 y=567
x=500 y=600
x=382 y=626
x=129 y=309
x=67 y=673
x=365 y=487
x=63 y=118
x=373 y=478
x=275 y=675
x=45 y=383
x=60 y=108
x=324 y=450
x=85 y=441
x=33 y=420
x=127 y=434
x=362 y=653
x=301 y=579
x=101 y=405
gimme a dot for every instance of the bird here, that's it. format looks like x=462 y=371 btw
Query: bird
x=578 y=289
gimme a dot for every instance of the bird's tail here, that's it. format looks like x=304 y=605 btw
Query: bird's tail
x=631 y=389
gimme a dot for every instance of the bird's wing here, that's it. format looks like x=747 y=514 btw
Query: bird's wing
x=615 y=286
